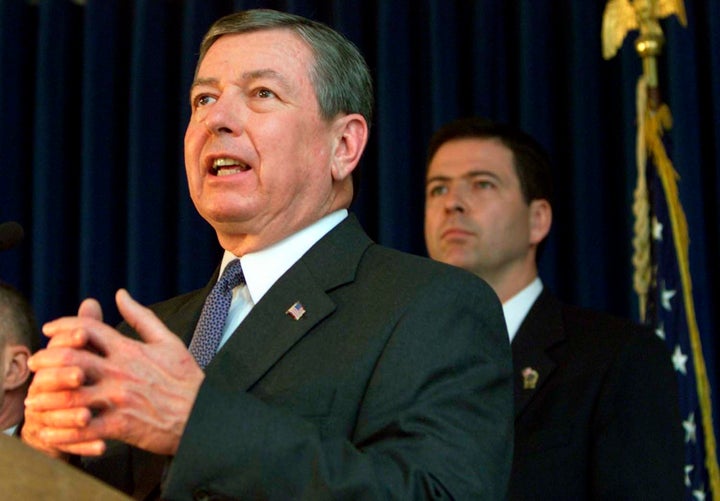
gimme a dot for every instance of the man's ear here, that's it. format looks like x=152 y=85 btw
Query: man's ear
x=351 y=138
x=16 y=366
x=540 y=220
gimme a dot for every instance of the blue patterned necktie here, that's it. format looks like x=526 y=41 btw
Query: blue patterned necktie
x=209 y=329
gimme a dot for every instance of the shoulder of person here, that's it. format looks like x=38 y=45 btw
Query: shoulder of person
x=608 y=332
x=419 y=270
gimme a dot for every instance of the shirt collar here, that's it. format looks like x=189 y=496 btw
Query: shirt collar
x=516 y=308
x=264 y=267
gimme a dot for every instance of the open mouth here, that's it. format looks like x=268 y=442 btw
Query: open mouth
x=228 y=167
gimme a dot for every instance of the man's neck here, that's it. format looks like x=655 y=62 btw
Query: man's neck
x=507 y=287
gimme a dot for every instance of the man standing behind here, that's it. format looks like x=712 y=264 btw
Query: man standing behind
x=596 y=411
x=338 y=369
x=19 y=337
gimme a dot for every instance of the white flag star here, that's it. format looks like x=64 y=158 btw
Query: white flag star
x=699 y=494
x=666 y=296
x=679 y=359
x=657 y=229
x=688 y=469
x=660 y=331
x=689 y=427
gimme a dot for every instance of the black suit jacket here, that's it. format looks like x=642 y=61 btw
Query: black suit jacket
x=395 y=383
x=602 y=421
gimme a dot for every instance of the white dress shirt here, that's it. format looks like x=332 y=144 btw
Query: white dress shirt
x=264 y=267
x=516 y=308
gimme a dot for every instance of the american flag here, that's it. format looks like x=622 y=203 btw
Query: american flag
x=661 y=259
x=670 y=307
x=297 y=310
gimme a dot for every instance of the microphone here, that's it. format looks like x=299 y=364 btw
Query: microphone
x=11 y=233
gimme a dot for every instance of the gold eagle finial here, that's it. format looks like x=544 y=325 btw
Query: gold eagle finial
x=621 y=16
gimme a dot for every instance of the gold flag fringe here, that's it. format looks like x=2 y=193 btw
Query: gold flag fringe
x=654 y=125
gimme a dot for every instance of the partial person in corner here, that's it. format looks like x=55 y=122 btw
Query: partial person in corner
x=19 y=338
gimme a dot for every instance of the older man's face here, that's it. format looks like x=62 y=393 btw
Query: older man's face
x=257 y=151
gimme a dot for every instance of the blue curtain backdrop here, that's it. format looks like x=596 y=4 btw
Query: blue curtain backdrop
x=93 y=106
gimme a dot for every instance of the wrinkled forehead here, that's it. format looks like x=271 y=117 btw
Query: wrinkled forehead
x=284 y=36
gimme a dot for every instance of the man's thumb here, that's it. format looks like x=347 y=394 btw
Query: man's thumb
x=142 y=319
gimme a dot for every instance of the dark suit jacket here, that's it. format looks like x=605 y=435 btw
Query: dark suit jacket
x=602 y=421
x=394 y=384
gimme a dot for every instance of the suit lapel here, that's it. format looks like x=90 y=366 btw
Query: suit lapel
x=269 y=331
x=532 y=361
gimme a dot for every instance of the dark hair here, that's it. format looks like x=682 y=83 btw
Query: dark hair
x=531 y=161
x=17 y=320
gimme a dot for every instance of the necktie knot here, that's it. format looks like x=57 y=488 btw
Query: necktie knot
x=232 y=276
x=210 y=327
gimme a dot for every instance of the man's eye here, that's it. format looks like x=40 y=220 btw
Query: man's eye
x=483 y=184
x=436 y=191
x=265 y=93
x=203 y=100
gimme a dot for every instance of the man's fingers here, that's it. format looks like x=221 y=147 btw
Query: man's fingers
x=49 y=432
x=89 y=309
x=71 y=331
x=60 y=400
x=81 y=441
x=69 y=339
x=53 y=377
x=91 y=448
x=77 y=417
x=64 y=368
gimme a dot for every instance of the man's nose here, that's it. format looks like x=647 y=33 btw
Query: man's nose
x=225 y=117
x=455 y=200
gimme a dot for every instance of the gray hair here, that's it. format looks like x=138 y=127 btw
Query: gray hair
x=340 y=76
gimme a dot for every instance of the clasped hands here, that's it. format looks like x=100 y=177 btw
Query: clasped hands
x=92 y=384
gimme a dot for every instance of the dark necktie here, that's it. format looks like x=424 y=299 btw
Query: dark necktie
x=209 y=329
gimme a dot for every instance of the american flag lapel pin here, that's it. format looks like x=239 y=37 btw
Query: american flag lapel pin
x=296 y=311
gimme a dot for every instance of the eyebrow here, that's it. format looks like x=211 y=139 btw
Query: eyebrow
x=246 y=76
x=467 y=175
